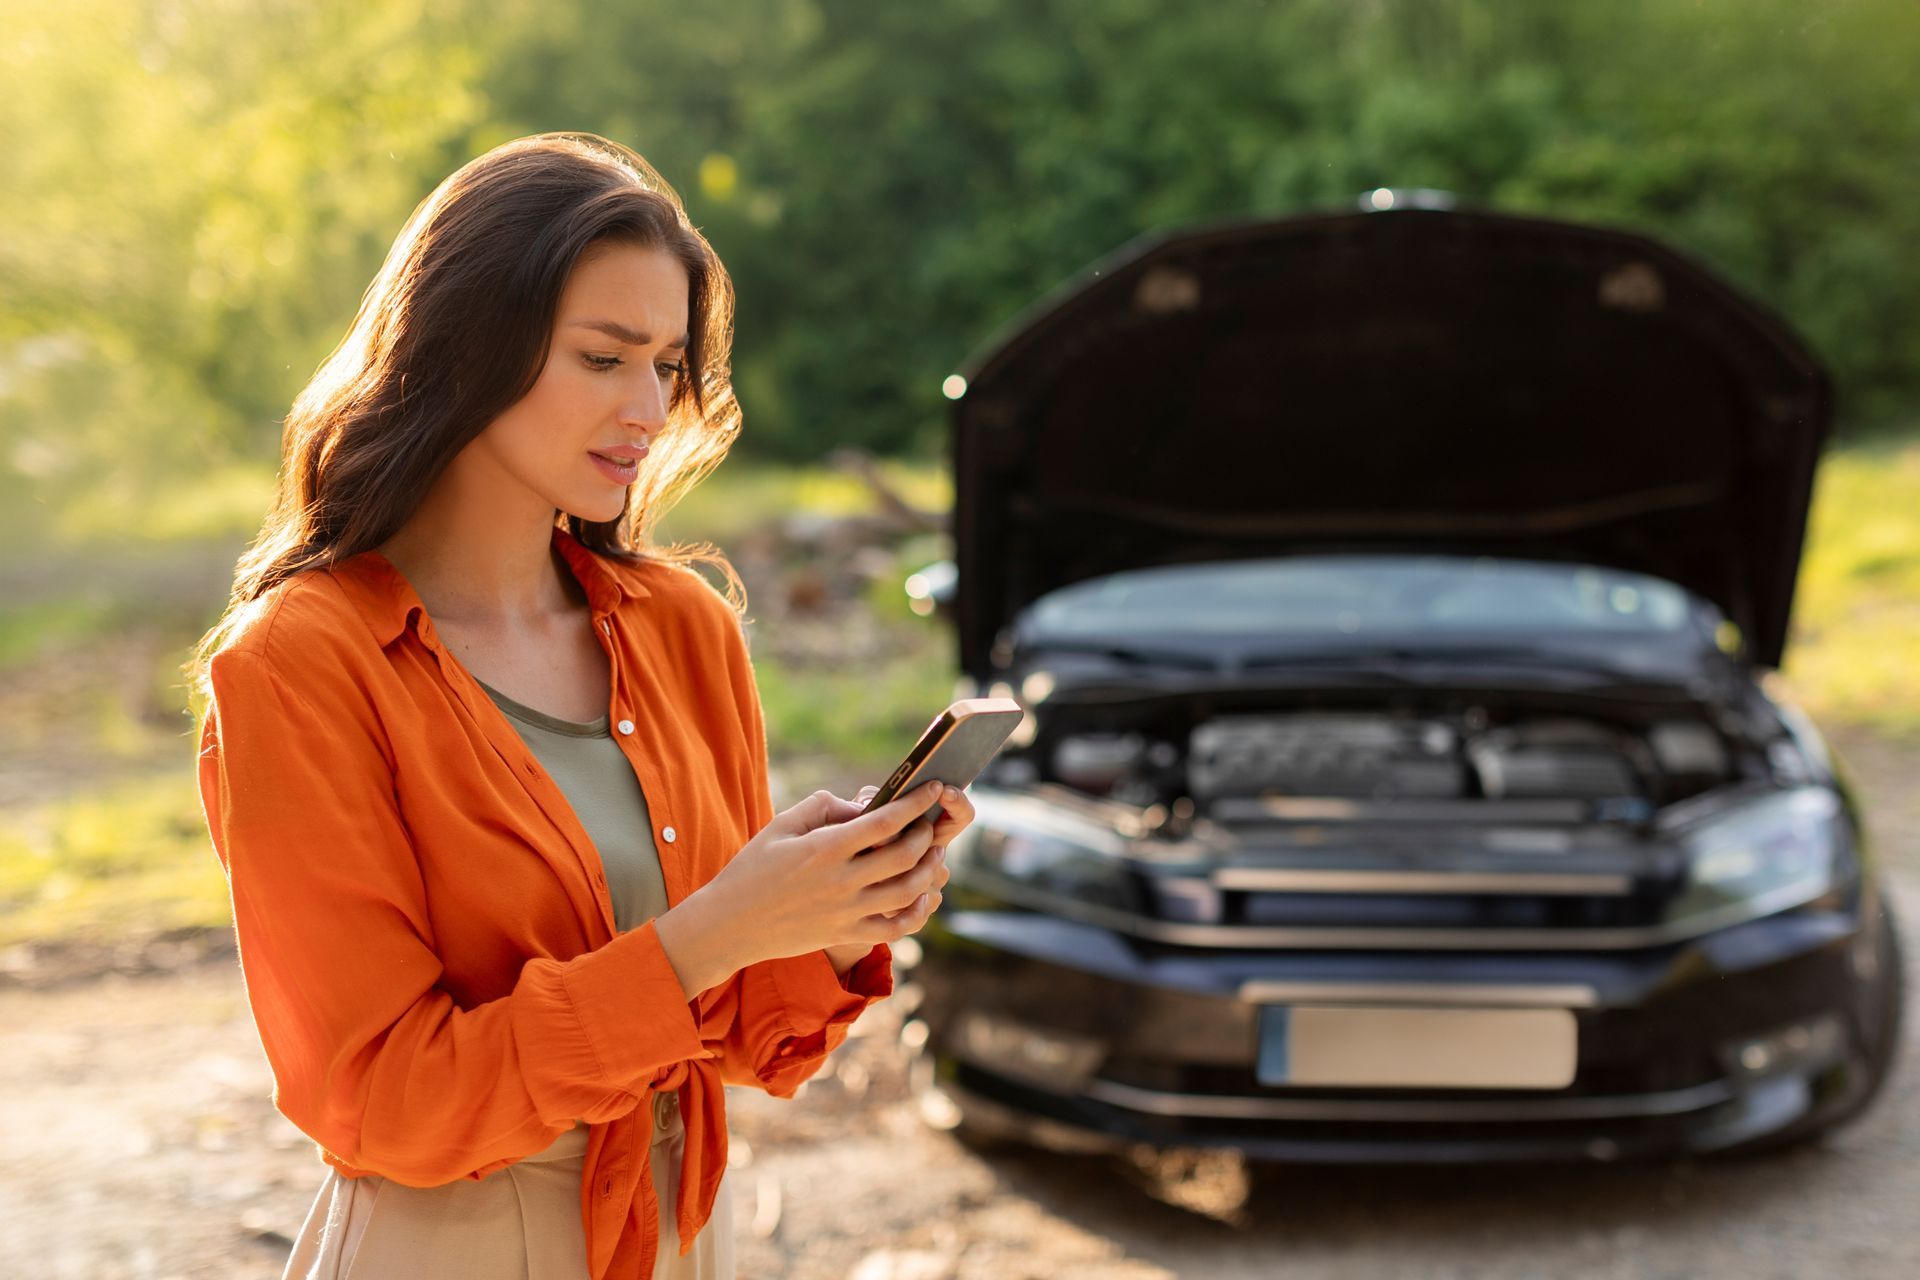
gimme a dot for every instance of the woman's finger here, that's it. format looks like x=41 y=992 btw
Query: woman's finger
x=876 y=826
x=959 y=813
x=918 y=910
x=896 y=857
x=809 y=815
x=930 y=866
x=840 y=810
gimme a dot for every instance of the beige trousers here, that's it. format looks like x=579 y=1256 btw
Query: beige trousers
x=521 y=1222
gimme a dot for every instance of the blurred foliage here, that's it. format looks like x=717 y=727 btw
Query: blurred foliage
x=747 y=493
x=1855 y=652
x=855 y=720
x=197 y=191
x=133 y=856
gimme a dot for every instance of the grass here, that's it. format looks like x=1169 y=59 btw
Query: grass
x=1854 y=655
x=128 y=859
x=133 y=855
x=30 y=631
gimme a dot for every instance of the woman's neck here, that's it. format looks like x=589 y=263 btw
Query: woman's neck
x=479 y=561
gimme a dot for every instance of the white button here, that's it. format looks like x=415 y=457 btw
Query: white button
x=626 y=726
x=667 y=835
x=605 y=627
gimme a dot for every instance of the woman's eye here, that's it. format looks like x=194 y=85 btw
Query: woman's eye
x=604 y=363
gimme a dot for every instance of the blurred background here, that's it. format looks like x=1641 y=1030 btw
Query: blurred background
x=194 y=193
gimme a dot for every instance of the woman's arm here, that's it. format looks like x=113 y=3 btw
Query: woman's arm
x=845 y=957
x=371 y=1057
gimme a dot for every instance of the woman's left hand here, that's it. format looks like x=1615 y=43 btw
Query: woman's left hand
x=957 y=816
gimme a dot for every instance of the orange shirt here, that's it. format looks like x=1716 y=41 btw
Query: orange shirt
x=423 y=925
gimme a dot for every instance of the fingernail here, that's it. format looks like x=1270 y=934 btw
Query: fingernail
x=952 y=793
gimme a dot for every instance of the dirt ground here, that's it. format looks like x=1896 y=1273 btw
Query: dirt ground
x=137 y=1140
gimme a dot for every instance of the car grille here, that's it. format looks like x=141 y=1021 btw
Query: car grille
x=1490 y=911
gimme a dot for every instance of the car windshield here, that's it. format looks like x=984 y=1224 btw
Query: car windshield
x=1348 y=595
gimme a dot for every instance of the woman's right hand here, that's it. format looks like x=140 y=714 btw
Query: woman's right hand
x=811 y=879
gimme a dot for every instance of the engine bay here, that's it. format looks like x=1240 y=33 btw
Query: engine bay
x=1202 y=758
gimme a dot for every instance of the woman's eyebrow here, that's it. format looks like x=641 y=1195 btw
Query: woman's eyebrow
x=613 y=328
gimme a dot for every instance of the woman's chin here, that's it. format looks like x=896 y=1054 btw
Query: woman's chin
x=599 y=510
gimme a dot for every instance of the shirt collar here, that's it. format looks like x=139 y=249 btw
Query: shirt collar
x=389 y=603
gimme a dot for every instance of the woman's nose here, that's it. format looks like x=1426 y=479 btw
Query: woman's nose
x=646 y=408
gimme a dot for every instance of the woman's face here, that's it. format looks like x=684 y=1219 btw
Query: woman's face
x=618 y=350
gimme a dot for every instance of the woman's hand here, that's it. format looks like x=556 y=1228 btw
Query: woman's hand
x=959 y=813
x=957 y=818
x=824 y=874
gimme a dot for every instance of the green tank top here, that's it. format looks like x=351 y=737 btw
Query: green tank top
x=600 y=786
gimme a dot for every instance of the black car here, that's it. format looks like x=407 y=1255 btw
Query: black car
x=1391 y=595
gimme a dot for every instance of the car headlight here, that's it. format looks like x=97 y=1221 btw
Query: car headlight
x=1774 y=854
x=1029 y=856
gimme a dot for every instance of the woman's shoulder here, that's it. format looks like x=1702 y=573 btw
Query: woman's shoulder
x=310 y=617
x=307 y=648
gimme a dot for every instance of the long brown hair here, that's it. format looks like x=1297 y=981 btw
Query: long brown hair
x=453 y=330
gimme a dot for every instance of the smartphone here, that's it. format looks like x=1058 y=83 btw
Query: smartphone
x=954 y=749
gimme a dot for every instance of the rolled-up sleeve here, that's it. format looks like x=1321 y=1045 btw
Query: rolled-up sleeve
x=773 y=1023
x=371 y=1057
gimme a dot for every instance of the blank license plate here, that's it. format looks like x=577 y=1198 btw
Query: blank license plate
x=1436 y=1048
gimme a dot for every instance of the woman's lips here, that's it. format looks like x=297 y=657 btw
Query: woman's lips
x=622 y=468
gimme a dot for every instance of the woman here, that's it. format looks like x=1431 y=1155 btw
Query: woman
x=486 y=769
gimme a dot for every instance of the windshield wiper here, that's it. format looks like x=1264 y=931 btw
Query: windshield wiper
x=1187 y=660
x=1399 y=664
x=1406 y=657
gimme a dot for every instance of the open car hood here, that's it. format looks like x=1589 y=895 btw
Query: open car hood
x=1414 y=379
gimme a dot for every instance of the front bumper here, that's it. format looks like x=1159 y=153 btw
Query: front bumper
x=1666 y=1057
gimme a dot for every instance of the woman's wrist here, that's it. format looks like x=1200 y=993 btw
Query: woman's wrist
x=701 y=945
x=705 y=950
x=846 y=955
